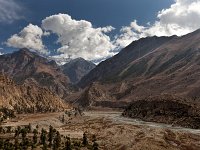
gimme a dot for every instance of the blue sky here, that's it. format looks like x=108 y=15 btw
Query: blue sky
x=18 y=14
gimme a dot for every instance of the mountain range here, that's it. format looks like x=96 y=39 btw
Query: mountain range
x=30 y=82
x=148 y=67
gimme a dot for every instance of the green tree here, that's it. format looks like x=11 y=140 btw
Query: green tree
x=29 y=128
x=43 y=136
x=24 y=133
x=16 y=144
x=44 y=147
x=1 y=143
x=68 y=145
x=95 y=146
x=8 y=129
x=50 y=135
x=63 y=119
x=26 y=144
x=85 y=140
x=37 y=127
x=35 y=134
x=57 y=141
x=17 y=131
x=94 y=139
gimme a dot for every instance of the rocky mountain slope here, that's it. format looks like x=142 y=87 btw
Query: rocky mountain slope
x=28 y=98
x=148 y=67
x=77 y=68
x=28 y=67
x=165 y=109
x=111 y=68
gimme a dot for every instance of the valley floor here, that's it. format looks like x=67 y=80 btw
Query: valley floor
x=115 y=132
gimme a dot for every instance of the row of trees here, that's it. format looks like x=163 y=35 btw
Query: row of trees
x=6 y=113
x=25 y=137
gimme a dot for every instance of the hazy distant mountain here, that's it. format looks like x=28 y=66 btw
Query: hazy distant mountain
x=77 y=68
x=25 y=66
x=147 y=67
x=28 y=98
x=59 y=60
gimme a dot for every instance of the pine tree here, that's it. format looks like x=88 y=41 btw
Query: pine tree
x=37 y=127
x=8 y=129
x=1 y=143
x=24 y=133
x=29 y=128
x=95 y=146
x=57 y=141
x=17 y=131
x=44 y=147
x=43 y=137
x=50 y=135
x=35 y=133
x=85 y=140
x=63 y=119
x=16 y=144
x=1 y=129
x=94 y=139
x=68 y=144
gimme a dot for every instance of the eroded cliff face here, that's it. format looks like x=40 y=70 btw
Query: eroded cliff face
x=165 y=109
x=28 y=98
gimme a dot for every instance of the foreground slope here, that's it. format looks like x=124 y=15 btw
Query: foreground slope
x=28 y=98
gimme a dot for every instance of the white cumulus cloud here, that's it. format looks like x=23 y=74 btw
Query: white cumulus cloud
x=30 y=37
x=78 y=38
x=181 y=18
x=10 y=11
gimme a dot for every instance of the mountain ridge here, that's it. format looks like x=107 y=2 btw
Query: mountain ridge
x=170 y=66
x=77 y=68
x=25 y=66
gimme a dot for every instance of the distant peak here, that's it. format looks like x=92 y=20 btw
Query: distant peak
x=26 y=52
x=79 y=59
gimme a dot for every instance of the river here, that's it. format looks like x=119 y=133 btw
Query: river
x=116 y=117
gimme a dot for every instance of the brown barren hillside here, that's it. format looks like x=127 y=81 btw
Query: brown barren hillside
x=28 y=67
x=28 y=98
x=148 y=67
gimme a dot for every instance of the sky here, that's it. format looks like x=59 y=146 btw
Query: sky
x=92 y=29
